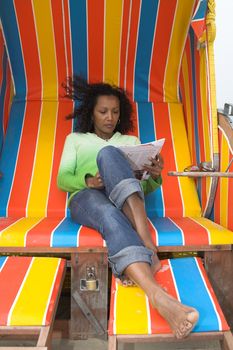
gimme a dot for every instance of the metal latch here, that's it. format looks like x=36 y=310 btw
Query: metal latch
x=90 y=283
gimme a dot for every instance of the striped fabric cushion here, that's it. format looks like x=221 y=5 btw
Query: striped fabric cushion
x=135 y=44
x=63 y=233
x=27 y=294
x=186 y=280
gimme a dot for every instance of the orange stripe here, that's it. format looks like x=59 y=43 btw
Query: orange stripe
x=29 y=48
x=165 y=280
x=40 y=235
x=230 y=197
x=160 y=49
x=124 y=38
x=56 y=205
x=11 y=278
x=89 y=237
x=68 y=37
x=112 y=307
x=193 y=233
x=57 y=15
x=215 y=301
x=54 y=294
x=95 y=13
x=5 y=222
x=132 y=42
x=172 y=200
x=23 y=172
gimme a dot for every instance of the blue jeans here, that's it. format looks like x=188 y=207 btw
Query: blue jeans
x=101 y=210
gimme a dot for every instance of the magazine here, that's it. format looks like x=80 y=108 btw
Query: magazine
x=139 y=155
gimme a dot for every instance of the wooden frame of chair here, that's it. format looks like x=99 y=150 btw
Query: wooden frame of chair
x=42 y=333
x=225 y=338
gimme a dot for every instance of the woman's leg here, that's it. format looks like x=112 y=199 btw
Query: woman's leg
x=125 y=192
x=181 y=318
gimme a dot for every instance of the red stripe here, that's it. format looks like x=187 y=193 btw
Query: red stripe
x=5 y=222
x=193 y=232
x=160 y=49
x=59 y=44
x=57 y=199
x=29 y=48
x=54 y=294
x=225 y=326
x=40 y=235
x=132 y=43
x=172 y=199
x=95 y=39
x=89 y=237
x=68 y=37
x=164 y=278
x=124 y=37
x=112 y=307
x=11 y=278
x=24 y=167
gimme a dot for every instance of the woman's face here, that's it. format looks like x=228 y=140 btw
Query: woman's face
x=106 y=114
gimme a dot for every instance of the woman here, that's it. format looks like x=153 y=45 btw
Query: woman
x=106 y=195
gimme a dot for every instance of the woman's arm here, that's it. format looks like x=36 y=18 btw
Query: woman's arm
x=67 y=179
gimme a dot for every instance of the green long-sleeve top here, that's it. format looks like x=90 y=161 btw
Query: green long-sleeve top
x=79 y=159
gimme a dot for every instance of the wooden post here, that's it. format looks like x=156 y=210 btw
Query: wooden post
x=89 y=307
x=219 y=267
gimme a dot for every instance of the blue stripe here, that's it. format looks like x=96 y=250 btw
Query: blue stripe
x=2 y=260
x=2 y=97
x=66 y=234
x=144 y=48
x=154 y=202
x=79 y=37
x=10 y=29
x=9 y=152
x=168 y=232
x=193 y=292
x=201 y=12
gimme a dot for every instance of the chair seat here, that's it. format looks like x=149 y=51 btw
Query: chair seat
x=186 y=280
x=29 y=289
x=62 y=232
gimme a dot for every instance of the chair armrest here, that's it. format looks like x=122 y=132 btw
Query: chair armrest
x=200 y=173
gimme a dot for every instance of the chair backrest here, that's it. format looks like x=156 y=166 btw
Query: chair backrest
x=136 y=44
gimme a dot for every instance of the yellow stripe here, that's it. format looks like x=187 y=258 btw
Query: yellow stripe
x=47 y=54
x=37 y=201
x=180 y=26
x=218 y=234
x=224 y=184
x=31 y=304
x=131 y=311
x=14 y=236
x=113 y=18
x=186 y=78
x=183 y=159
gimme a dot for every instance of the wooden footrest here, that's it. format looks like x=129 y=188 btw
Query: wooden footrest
x=186 y=280
x=29 y=292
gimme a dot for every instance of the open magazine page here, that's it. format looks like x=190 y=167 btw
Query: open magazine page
x=139 y=155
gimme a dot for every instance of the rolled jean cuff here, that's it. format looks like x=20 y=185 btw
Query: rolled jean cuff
x=123 y=190
x=127 y=256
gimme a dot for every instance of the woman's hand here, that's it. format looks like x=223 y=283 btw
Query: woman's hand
x=95 y=181
x=156 y=166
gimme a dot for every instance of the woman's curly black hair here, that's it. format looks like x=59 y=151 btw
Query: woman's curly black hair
x=79 y=90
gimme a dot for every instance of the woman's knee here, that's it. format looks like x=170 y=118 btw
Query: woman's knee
x=106 y=154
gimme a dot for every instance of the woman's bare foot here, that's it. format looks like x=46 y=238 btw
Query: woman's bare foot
x=156 y=264
x=125 y=282
x=181 y=318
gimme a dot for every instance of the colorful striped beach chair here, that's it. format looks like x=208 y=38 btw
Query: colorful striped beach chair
x=29 y=294
x=163 y=55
